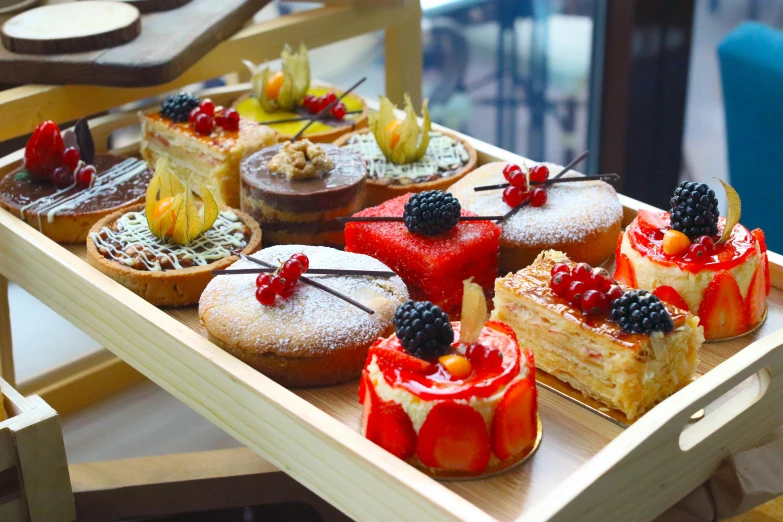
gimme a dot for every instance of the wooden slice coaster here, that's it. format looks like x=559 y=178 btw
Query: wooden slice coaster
x=71 y=28
x=153 y=6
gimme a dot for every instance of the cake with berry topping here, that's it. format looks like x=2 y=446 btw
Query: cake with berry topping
x=165 y=251
x=296 y=333
x=203 y=141
x=403 y=157
x=581 y=219
x=429 y=246
x=456 y=400
x=699 y=261
x=289 y=98
x=61 y=194
x=623 y=347
x=295 y=191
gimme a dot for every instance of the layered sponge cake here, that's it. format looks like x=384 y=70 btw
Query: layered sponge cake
x=625 y=348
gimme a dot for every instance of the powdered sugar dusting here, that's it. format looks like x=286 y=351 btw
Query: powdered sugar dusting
x=573 y=211
x=311 y=321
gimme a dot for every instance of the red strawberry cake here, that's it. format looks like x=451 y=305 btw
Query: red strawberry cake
x=451 y=408
x=688 y=258
x=433 y=258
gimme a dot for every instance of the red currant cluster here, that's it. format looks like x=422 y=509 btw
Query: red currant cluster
x=519 y=191
x=203 y=118
x=590 y=289
x=47 y=158
x=315 y=104
x=282 y=282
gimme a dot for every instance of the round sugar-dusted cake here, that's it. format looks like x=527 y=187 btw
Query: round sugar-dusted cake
x=310 y=337
x=581 y=219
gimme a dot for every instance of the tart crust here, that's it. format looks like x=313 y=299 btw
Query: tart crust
x=170 y=287
x=376 y=192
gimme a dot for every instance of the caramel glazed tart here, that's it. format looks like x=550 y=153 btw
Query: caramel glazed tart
x=164 y=273
x=66 y=215
x=311 y=338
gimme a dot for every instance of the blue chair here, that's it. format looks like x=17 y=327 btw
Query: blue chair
x=751 y=64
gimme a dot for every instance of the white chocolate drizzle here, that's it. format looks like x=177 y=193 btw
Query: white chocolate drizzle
x=443 y=154
x=132 y=242
x=105 y=183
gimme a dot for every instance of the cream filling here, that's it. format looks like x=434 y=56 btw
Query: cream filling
x=691 y=286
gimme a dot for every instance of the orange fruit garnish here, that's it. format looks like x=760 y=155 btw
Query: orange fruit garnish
x=457 y=365
x=675 y=242
x=161 y=207
x=273 y=85
x=393 y=132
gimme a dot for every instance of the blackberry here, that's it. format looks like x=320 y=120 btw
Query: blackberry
x=424 y=330
x=639 y=311
x=177 y=107
x=694 y=210
x=431 y=213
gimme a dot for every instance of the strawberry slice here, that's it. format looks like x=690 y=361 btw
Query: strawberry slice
x=386 y=424
x=454 y=437
x=671 y=296
x=651 y=222
x=44 y=150
x=514 y=425
x=759 y=235
x=756 y=300
x=722 y=311
x=623 y=271
x=396 y=359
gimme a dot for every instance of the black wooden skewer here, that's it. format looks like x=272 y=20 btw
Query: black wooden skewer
x=568 y=167
x=300 y=118
x=327 y=108
x=316 y=284
x=596 y=177
x=392 y=219
x=316 y=271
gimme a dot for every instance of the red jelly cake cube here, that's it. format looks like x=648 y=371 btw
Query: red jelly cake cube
x=433 y=267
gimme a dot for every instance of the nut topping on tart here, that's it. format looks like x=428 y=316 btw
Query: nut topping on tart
x=301 y=160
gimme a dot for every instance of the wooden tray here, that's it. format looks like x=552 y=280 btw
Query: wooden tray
x=169 y=43
x=587 y=468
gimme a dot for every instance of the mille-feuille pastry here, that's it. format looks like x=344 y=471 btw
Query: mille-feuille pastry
x=61 y=194
x=165 y=251
x=456 y=400
x=203 y=142
x=296 y=190
x=694 y=259
x=404 y=157
x=287 y=96
x=295 y=333
x=581 y=219
x=624 y=347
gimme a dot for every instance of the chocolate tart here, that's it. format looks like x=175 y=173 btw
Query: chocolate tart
x=143 y=264
x=325 y=130
x=447 y=160
x=66 y=215
x=303 y=211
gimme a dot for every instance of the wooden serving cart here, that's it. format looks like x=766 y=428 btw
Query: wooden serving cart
x=588 y=467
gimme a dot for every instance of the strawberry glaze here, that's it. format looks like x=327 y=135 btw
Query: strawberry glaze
x=735 y=251
x=438 y=384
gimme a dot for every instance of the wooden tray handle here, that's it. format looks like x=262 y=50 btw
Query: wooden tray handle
x=676 y=456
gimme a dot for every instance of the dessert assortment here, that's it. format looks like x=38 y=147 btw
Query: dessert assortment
x=296 y=190
x=301 y=335
x=699 y=261
x=623 y=347
x=581 y=219
x=430 y=244
x=456 y=400
x=64 y=189
x=165 y=250
x=403 y=156
x=203 y=141
x=287 y=101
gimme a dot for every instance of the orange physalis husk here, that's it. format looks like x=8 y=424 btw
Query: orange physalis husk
x=413 y=139
x=474 y=312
